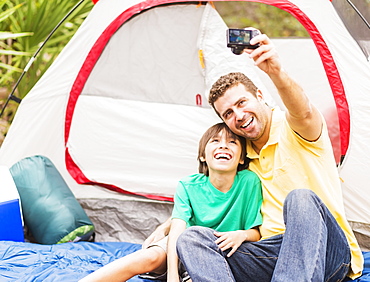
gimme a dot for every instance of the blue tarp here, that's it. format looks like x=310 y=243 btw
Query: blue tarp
x=366 y=273
x=28 y=262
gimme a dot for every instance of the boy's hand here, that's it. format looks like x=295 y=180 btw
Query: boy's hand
x=230 y=240
x=159 y=233
x=154 y=237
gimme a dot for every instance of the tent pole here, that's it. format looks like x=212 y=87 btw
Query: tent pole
x=11 y=95
x=359 y=13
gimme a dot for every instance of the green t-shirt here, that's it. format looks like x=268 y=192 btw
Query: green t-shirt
x=198 y=202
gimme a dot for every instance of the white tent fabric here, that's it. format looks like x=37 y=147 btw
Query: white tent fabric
x=136 y=123
x=158 y=104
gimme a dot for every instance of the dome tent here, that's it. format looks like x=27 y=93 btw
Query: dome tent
x=124 y=104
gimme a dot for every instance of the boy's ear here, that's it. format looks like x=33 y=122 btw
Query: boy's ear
x=202 y=159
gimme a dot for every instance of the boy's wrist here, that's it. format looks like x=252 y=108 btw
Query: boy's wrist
x=246 y=238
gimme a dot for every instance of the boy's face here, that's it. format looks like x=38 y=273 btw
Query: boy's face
x=222 y=153
x=243 y=113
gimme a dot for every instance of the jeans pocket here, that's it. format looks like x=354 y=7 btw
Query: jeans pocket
x=340 y=274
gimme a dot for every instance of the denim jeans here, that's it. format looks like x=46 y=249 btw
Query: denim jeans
x=313 y=248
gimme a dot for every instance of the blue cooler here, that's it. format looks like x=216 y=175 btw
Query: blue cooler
x=11 y=223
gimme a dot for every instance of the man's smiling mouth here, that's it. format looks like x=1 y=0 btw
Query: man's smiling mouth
x=247 y=123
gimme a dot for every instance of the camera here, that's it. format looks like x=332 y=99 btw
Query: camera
x=239 y=39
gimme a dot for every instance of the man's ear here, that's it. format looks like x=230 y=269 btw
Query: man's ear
x=259 y=95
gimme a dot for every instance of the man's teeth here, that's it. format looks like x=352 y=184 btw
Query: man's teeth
x=248 y=122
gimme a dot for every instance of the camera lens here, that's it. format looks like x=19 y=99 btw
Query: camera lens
x=237 y=50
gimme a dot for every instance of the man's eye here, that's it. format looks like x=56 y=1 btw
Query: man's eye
x=227 y=114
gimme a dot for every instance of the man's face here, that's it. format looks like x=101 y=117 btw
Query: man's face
x=243 y=113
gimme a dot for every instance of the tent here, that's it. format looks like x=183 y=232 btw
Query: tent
x=121 y=110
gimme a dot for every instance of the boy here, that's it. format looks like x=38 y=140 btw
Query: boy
x=223 y=196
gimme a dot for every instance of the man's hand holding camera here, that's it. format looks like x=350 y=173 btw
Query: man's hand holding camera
x=265 y=56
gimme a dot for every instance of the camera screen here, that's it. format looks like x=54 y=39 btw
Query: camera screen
x=239 y=36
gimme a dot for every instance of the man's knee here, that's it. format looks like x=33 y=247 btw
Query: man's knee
x=190 y=234
x=302 y=203
x=193 y=235
x=301 y=196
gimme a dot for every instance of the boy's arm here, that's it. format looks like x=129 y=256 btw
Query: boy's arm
x=233 y=239
x=159 y=233
x=177 y=227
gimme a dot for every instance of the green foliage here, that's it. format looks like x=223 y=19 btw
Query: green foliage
x=6 y=37
x=269 y=19
x=32 y=21
x=24 y=26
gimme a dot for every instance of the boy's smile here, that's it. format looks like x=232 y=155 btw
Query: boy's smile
x=223 y=156
x=222 y=153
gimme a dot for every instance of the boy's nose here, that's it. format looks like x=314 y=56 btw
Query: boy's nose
x=223 y=143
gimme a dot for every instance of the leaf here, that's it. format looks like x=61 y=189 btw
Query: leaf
x=4 y=15
x=14 y=53
x=8 y=35
x=9 y=67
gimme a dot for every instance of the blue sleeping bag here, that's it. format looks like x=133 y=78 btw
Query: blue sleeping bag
x=50 y=210
x=29 y=262
x=69 y=262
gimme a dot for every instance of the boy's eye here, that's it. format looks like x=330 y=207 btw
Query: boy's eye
x=233 y=141
x=214 y=140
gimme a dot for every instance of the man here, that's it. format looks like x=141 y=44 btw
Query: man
x=305 y=235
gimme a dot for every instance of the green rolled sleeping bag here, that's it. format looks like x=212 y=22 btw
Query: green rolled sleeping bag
x=50 y=210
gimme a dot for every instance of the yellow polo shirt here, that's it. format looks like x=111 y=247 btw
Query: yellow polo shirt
x=289 y=162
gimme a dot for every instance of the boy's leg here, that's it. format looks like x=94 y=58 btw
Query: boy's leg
x=205 y=262
x=314 y=247
x=153 y=259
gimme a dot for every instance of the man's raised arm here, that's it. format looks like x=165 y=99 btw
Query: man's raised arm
x=302 y=116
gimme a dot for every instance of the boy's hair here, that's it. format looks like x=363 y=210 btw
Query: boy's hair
x=227 y=81
x=214 y=131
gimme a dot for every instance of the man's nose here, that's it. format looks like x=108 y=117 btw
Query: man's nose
x=239 y=114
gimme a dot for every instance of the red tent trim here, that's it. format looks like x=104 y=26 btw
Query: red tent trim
x=94 y=54
x=330 y=68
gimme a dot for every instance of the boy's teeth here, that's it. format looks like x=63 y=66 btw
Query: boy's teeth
x=222 y=155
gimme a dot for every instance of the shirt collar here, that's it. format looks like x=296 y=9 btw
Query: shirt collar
x=276 y=120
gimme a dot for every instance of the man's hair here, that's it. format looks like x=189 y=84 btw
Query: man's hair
x=227 y=81
x=213 y=131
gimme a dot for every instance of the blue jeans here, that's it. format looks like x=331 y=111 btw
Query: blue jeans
x=313 y=248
